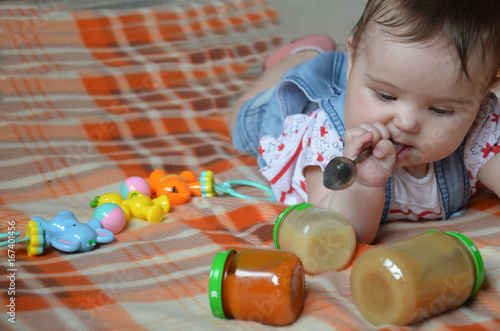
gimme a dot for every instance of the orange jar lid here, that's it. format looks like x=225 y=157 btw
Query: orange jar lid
x=215 y=282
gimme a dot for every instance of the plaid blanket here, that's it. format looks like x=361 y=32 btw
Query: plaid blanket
x=92 y=97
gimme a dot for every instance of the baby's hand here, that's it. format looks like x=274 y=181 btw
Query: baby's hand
x=376 y=170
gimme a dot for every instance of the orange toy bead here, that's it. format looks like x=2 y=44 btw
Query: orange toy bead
x=188 y=176
x=175 y=189
x=155 y=178
x=195 y=188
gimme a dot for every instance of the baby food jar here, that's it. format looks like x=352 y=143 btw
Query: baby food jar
x=323 y=239
x=265 y=286
x=416 y=278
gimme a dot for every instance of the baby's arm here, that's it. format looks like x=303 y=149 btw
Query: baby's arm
x=363 y=206
x=363 y=202
x=489 y=175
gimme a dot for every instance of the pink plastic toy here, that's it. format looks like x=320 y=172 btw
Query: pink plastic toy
x=135 y=183
x=111 y=216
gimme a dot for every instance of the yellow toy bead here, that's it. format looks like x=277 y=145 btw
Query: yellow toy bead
x=153 y=214
x=34 y=231
x=163 y=202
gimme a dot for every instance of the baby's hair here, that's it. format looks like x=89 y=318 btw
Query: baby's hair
x=470 y=26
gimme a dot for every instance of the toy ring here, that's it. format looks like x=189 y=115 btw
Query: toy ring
x=226 y=187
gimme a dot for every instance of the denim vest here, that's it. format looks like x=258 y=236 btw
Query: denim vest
x=323 y=80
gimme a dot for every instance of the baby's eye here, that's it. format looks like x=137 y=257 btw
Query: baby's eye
x=384 y=97
x=441 y=112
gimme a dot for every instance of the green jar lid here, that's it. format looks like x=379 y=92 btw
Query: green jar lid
x=215 y=282
x=478 y=260
x=298 y=206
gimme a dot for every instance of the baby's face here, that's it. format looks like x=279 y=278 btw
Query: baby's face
x=415 y=91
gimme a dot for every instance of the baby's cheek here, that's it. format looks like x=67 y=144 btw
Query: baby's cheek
x=438 y=136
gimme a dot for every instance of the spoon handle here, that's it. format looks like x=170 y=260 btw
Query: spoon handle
x=363 y=155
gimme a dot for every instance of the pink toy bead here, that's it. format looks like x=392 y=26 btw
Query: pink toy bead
x=111 y=216
x=135 y=183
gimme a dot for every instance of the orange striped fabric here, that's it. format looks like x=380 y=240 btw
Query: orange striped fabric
x=92 y=97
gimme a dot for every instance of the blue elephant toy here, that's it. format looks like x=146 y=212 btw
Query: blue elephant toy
x=62 y=232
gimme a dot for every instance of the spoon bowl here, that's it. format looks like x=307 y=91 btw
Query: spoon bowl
x=341 y=172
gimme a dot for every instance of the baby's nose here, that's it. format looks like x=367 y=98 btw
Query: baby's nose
x=406 y=119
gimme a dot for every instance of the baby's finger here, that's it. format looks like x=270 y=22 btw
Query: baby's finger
x=378 y=129
x=358 y=144
x=384 y=149
x=352 y=133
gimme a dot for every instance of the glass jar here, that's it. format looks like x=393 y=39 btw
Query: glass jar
x=323 y=239
x=265 y=286
x=416 y=278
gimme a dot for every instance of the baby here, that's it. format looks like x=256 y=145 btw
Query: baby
x=414 y=85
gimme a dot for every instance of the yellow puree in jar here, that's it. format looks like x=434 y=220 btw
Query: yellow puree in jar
x=323 y=239
x=412 y=279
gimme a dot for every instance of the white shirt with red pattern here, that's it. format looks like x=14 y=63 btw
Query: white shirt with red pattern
x=311 y=140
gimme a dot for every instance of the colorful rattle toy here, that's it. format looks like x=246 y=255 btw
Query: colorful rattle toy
x=136 y=205
x=63 y=232
x=180 y=188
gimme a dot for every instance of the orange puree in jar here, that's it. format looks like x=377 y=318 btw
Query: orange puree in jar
x=416 y=278
x=259 y=285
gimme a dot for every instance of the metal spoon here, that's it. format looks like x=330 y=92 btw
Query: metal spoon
x=340 y=173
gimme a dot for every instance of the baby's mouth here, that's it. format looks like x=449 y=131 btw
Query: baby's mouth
x=402 y=151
